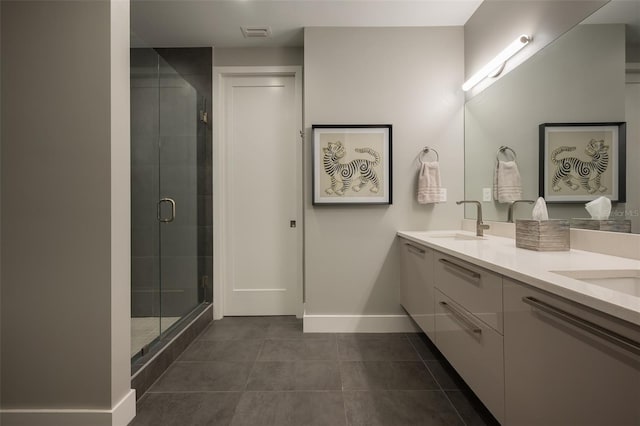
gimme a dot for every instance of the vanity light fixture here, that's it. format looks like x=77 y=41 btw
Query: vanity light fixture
x=498 y=62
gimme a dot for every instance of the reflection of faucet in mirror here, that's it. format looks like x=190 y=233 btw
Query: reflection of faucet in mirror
x=480 y=227
x=507 y=112
x=512 y=206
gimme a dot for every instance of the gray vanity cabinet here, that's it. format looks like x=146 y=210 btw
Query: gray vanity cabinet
x=469 y=327
x=559 y=371
x=416 y=284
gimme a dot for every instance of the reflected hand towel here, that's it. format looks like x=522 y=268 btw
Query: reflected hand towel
x=507 y=186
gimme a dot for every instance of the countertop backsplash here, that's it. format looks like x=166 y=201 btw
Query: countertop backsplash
x=611 y=243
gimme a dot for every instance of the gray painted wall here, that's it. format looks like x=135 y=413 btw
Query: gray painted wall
x=64 y=325
x=496 y=23
x=407 y=77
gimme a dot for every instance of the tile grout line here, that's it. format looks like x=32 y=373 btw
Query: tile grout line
x=339 y=361
x=246 y=384
x=424 y=361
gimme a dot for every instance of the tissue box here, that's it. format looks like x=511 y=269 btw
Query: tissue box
x=543 y=235
x=621 y=225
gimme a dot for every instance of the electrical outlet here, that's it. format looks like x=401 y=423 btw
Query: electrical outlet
x=486 y=194
x=443 y=195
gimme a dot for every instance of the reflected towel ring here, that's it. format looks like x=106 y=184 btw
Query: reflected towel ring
x=425 y=151
x=503 y=150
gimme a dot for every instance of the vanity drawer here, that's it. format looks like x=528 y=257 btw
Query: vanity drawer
x=416 y=284
x=474 y=349
x=478 y=290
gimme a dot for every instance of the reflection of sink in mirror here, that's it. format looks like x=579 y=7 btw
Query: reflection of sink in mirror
x=457 y=236
x=623 y=280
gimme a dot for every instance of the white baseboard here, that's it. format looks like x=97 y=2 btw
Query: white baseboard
x=358 y=324
x=120 y=415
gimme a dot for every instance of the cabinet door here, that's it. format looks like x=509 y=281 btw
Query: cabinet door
x=416 y=288
x=558 y=373
x=474 y=349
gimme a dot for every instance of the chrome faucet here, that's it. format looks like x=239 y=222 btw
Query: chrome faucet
x=480 y=227
x=511 y=207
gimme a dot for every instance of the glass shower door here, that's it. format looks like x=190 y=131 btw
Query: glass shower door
x=178 y=196
x=170 y=197
x=145 y=262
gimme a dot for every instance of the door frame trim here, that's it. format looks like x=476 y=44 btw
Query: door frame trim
x=220 y=193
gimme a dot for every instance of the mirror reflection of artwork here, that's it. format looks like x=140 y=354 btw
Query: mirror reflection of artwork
x=582 y=161
x=354 y=174
x=575 y=172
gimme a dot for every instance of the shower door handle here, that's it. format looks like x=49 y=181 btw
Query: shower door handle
x=173 y=210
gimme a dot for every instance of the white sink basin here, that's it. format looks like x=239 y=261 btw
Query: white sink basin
x=623 y=280
x=457 y=236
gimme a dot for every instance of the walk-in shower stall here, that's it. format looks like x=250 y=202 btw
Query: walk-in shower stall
x=171 y=203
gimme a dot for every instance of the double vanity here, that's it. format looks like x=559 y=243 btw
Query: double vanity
x=542 y=338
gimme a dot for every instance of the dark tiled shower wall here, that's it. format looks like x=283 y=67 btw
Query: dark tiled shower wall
x=145 y=299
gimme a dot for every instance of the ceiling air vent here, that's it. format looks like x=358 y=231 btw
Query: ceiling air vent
x=253 y=32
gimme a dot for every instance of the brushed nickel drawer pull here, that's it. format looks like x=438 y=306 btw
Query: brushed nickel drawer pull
x=462 y=317
x=595 y=329
x=468 y=272
x=413 y=249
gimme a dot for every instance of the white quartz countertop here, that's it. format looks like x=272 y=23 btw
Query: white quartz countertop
x=501 y=255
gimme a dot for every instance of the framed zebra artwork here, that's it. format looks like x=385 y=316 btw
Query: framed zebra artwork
x=580 y=162
x=351 y=164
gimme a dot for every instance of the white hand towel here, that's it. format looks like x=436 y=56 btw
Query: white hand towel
x=507 y=186
x=429 y=190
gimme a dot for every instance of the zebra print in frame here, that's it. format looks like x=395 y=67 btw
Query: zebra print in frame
x=351 y=164
x=579 y=162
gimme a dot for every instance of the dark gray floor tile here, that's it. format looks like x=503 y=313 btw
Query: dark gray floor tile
x=234 y=331
x=445 y=375
x=180 y=409
x=298 y=350
x=296 y=375
x=293 y=330
x=260 y=320
x=471 y=409
x=222 y=350
x=382 y=349
x=290 y=409
x=379 y=375
x=399 y=408
x=369 y=336
x=204 y=376
x=285 y=329
x=426 y=349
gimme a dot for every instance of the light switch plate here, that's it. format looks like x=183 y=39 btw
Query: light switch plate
x=443 y=195
x=486 y=194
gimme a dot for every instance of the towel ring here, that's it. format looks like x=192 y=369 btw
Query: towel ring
x=425 y=151
x=503 y=150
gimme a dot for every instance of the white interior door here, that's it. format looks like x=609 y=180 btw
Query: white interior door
x=262 y=160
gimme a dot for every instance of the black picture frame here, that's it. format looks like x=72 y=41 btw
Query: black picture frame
x=365 y=150
x=598 y=149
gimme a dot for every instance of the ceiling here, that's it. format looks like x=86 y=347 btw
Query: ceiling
x=197 y=23
x=620 y=12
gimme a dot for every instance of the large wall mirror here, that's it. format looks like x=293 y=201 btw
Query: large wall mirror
x=591 y=74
